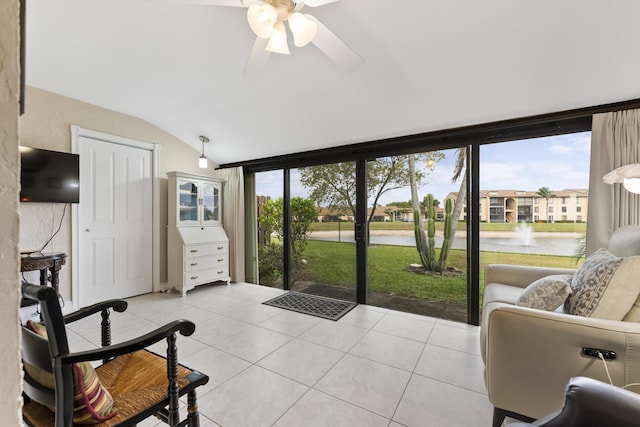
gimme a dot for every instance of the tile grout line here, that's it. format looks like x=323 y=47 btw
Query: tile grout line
x=413 y=372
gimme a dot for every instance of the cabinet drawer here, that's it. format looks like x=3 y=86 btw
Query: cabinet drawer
x=205 y=262
x=192 y=251
x=205 y=276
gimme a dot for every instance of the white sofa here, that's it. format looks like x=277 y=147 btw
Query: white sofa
x=531 y=354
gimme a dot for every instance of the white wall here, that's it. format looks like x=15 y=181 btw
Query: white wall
x=47 y=124
x=10 y=390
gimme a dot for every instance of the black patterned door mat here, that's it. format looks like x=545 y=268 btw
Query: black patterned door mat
x=327 y=308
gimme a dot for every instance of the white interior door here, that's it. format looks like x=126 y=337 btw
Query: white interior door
x=114 y=221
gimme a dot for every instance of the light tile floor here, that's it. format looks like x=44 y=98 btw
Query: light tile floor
x=272 y=367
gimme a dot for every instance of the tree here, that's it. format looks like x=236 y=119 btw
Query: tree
x=334 y=185
x=460 y=170
x=303 y=213
x=546 y=194
x=403 y=205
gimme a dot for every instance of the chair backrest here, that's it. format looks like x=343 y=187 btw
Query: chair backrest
x=625 y=241
x=43 y=354
x=37 y=367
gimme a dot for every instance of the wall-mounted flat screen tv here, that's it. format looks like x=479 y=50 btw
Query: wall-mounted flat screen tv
x=49 y=176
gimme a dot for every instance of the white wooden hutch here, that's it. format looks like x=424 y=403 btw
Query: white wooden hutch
x=197 y=246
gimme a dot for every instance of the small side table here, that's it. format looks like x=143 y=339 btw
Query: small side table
x=52 y=261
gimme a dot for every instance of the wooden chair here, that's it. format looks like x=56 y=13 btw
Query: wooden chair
x=140 y=383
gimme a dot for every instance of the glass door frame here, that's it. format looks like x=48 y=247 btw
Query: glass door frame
x=361 y=231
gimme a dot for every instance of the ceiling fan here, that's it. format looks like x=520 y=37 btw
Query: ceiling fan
x=266 y=19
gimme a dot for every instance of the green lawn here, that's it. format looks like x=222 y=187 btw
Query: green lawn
x=334 y=263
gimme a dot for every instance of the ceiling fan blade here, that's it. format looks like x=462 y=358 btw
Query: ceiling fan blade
x=334 y=47
x=316 y=3
x=258 y=58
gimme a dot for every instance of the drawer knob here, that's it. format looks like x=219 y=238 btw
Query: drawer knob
x=220 y=247
x=194 y=277
x=221 y=271
x=193 y=251
x=220 y=259
x=193 y=264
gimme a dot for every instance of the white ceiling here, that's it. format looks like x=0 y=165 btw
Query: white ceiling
x=429 y=65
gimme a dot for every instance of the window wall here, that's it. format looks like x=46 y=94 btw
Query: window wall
x=499 y=199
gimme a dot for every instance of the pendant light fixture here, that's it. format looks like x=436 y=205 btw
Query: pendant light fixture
x=202 y=161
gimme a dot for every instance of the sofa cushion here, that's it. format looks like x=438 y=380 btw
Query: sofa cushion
x=605 y=286
x=547 y=293
x=499 y=292
x=634 y=314
x=92 y=403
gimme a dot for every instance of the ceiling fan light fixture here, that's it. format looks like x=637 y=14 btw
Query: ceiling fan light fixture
x=632 y=185
x=278 y=40
x=628 y=175
x=262 y=19
x=303 y=29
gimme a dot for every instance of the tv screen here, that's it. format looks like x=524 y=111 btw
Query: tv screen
x=49 y=176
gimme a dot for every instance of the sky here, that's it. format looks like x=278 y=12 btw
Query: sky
x=558 y=162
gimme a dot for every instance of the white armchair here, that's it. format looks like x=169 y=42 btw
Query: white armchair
x=531 y=354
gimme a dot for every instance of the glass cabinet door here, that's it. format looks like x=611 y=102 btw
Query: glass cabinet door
x=188 y=202
x=210 y=202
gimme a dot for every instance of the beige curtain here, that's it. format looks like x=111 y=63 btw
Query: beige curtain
x=615 y=142
x=251 y=229
x=233 y=219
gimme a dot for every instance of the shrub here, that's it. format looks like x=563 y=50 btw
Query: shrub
x=269 y=263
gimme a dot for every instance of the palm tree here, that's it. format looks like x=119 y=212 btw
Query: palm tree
x=458 y=171
x=546 y=193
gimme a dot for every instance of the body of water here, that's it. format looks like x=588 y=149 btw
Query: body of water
x=564 y=244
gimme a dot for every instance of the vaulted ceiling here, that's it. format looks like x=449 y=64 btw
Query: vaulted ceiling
x=428 y=65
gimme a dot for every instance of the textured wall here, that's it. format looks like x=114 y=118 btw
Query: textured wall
x=10 y=388
x=47 y=124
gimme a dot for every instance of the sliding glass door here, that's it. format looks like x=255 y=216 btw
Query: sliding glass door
x=417 y=252
x=321 y=259
x=377 y=230
x=323 y=256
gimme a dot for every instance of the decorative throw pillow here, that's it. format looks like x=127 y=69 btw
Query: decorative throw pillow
x=605 y=286
x=92 y=403
x=547 y=293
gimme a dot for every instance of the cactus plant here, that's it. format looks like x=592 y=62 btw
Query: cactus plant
x=431 y=231
x=421 y=240
x=446 y=243
x=426 y=242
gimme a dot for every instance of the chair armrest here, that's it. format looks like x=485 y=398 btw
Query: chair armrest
x=42 y=293
x=115 y=304
x=592 y=403
x=184 y=327
x=531 y=355
x=519 y=275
